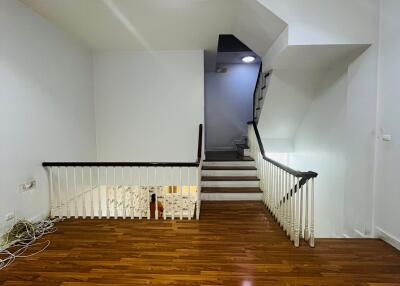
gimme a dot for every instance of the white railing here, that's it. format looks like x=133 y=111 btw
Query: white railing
x=126 y=189
x=288 y=194
x=112 y=190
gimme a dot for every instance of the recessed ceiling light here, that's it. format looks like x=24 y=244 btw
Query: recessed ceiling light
x=248 y=59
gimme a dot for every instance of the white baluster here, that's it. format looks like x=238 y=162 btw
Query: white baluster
x=189 y=196
x=123 y=189
x=99 y=192
x=297 y=213
x=306 y=213
x=60 y=209
x=115 y=194
x=148 y=193
x=269 y=191
x=312 y=242
x=198 y=203
x=180 y=194
x=172 y=194
x=132 y=190
x=165 y=193
x=75 y=195
x=84 y=215
x=275 y=189
x=91 y=194
x=301 y=212
x=280 y=197
x=107 y=195
x=140 y=193
x=67 y=193
x=52 y=195
x=284 y=200
x=287 y=206
x=292 y=207
x=155 y=194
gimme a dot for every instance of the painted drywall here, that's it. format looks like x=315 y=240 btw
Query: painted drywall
x=148 y=105
x=327 y=22
x=360 y=143
x=229 y=105
x=319 y=145
x=46 y=106
x=257 y=26
x=288 y=98
x=324 y=117
x=387 y=195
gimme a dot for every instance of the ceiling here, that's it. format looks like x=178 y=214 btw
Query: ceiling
x=316 y=57
x=105 y=25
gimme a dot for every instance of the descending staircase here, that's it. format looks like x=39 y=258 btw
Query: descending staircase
x=228 y=176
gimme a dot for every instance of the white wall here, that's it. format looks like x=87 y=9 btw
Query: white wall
x=336 y=139
x=360 y=143
x=387 y=196
x=229 y=104
x=337 y=135
x=46 y=106
x=320 y=146
x=327 y=22
x=289 y=95
x=148 y=105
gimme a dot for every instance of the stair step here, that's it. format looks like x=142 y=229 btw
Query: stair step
x=243 y=150
x=247 y=163
x=243 y=146
x=232 y=196
x=230 y=178
x=228 y=173
x=229 y=168
x=230 y=182
x=231 y=190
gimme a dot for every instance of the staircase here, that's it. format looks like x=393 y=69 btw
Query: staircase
x=230 y=176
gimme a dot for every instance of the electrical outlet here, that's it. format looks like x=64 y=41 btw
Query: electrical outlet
x=10 y=216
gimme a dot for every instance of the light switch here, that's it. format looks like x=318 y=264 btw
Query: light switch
x=387 y=137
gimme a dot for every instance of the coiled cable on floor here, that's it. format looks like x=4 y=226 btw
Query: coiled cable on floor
x=21 y=237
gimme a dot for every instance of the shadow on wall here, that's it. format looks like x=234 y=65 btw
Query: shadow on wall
x=228 y=105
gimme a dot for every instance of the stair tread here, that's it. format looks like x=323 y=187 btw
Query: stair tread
x=243 y=146
x=231 y=190
x=231 y=156
x=244 y=159
x=229 y=178
x=230 y=168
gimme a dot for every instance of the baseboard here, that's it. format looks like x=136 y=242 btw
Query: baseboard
x=388 y=237
x=39 y=217
x=361 y=235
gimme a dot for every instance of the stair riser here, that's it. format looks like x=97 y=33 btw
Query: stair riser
x=230 y=184
x=229 y=163
x=233 y=173
x=244 y=152
x=231 y=197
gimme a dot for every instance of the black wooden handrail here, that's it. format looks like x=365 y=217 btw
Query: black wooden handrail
x=255 y=91
x=306 y=175
x=135 y=164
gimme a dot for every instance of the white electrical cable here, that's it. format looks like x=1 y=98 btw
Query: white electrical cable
x=26 y=239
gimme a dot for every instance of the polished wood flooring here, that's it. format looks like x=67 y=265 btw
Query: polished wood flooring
x=234 y=243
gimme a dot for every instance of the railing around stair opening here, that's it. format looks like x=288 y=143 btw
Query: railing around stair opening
x=132 y=190
x=287 y=193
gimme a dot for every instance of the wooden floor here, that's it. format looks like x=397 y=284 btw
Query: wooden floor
x=234 y=243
